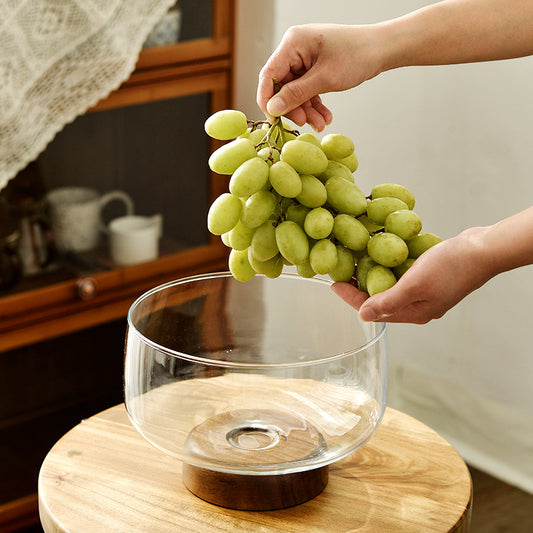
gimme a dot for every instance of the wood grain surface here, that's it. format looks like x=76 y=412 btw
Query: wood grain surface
x=103 y=476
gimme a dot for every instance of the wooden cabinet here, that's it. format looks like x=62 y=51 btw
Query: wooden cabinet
x=147 y=139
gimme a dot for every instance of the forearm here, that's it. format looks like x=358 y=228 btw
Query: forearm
x=508 y=244
x=459 y=31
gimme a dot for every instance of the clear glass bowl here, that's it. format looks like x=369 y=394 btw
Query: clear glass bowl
x=272 y=376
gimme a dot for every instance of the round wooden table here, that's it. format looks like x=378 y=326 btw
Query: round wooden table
x=103 y=476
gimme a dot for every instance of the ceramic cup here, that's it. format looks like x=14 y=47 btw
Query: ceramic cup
x=135 y=239
x=76 y=216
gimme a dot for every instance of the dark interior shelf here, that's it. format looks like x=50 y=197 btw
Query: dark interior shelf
x=56 y=385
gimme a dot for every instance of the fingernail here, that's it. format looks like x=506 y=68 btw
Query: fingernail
x=368 y=314
x=276 y=106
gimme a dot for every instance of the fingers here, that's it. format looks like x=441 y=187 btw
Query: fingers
x=351 y=295
x=387 y=306
x=322 y=110
x=297 y=98
x=376 y=308
x=318 y=116
x=381 y=306
x=314 y=113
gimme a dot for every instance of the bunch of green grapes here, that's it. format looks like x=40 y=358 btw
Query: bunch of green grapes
x=293 y=200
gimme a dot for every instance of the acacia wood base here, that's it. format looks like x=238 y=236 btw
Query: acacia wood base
x=103 y=476
x=254 y=493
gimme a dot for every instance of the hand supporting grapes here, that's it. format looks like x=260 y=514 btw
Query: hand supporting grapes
x=446 y=273
x=437 y=281
x=293 y=200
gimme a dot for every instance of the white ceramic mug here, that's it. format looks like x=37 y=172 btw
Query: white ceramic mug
x=76 y=216
x=135 y=239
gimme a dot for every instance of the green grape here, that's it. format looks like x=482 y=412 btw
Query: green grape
x=224 y=213
x=379 y=279
x=258 y=208
x=358 y=254
x=422 y=242
x=288 y=134
x=387 y=249
x=406 y=224
x=305 y=270
x=297 y=213
x=304 y=157
x=395 y=191
x=400 y=270
x=240 y=236
x=293 y=200
x=271 y=268
x=345 y=267
x=239 y=265
x=368 y=224
x=310 y=138
x=270 y=155
x=313 y=193
x=323 y=256
x=228 y=158
x=225 y=239
x=345 y=197
x=263 y=246
x=292 y=242
x=250 y=177
x=278 y=208
x=285 y=204
x=337 y=145
x=335 y=168
x=285 y=180
x=226 y=124
x=350 y=232
x=258 y=137
x=364 y=264
x=318 y=223
x=379 y=208
x=351 y=162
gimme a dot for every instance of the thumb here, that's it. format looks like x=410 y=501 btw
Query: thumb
x=384 y=304
x=293 y=94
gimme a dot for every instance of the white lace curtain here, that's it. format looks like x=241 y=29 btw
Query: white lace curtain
x=57 y=59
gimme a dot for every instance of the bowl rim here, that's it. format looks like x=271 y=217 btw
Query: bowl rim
x=381 y=327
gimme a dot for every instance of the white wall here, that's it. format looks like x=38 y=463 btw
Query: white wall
x=461 y=138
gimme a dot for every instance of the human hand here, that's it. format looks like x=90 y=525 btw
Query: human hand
x=312 y=60
x=438 y=280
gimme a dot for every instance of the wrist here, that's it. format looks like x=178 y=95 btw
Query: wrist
x=390 y=45
x=478 y=254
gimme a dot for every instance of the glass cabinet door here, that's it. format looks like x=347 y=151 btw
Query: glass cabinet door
x=145 y=140
x=202 y=32
x=154 y=154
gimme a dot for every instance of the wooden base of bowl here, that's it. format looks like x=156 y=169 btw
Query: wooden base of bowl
x=252 y=492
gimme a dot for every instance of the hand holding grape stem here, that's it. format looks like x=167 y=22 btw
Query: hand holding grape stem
x=315 y=59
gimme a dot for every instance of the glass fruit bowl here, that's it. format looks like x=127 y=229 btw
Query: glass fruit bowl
x=255 y=380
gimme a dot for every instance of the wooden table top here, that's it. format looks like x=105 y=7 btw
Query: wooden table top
x=104 y=476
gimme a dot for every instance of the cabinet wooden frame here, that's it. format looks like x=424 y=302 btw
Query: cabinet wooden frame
x=186 y=68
